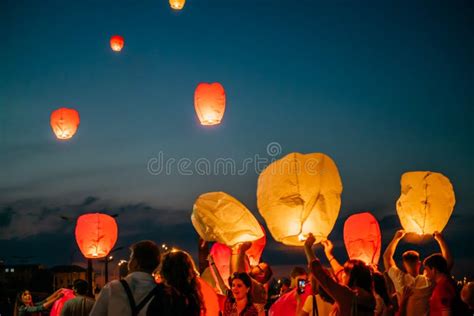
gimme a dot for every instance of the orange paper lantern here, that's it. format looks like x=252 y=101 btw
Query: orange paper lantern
x=116 y=43
x=221 y=255
x=64 y=122
x=209 y=102
x=362 y=238
x=177 y=4
x=255 y=252
x=210 y=298
x=96 y=234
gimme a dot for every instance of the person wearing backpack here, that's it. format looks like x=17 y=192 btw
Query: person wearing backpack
x=131 y=295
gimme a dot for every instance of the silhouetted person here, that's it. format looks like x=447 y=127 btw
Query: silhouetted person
x=81 y=305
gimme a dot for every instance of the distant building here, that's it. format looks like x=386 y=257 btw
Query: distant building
x=64 y=276
x=34 y=277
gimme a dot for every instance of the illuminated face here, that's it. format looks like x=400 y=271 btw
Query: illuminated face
x=132 y=263
x=26 y=298
x=239 y=290
x=429 y=273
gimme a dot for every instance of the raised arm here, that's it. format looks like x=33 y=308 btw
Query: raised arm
x=237 y=259
x=338 y=292
x=220 y=282
x=55 y=295
x=445 y=252
x=388 y=261
x=334 y=289
x=328 y=248
x=203 y=253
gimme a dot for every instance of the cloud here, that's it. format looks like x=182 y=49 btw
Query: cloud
x=6 y=215
x=31 y=217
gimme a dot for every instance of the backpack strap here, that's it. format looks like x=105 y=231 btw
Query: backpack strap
x=131 y=300
x=137 y=308
x=315 y=306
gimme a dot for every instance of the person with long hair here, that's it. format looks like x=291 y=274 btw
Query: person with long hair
x=354 y=295
x=24 y=303
x=182 y=291
x=239 y=298
x=383 y=306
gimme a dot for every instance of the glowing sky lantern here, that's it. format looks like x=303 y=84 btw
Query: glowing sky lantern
x=221 y=255
x=426 y=202
x=209 y=103
x=210 y=298
x=254 y=253
x=362 y=238
x=116 y=43
x=177 y=4
x=300 y=194
x=64 y=122
x=96 y=234
x=217 y=216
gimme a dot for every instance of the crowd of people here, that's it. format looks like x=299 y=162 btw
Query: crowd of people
x=169 y=284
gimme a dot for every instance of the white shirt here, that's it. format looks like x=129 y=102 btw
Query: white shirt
x=419 y=302
x=324 y=308
x=113 y=300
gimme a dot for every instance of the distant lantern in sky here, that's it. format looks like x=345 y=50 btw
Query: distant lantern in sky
x=300 y=194
x=96 y=234
x=362 y=238
x=217 y=216
x=116 y=43
x=209 y=102
x=64 y=122
x=177 y=4
x=426 y=202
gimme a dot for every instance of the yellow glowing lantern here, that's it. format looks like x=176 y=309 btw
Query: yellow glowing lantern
x=209 y=103
x=300 y=194
x=217 y=216
x=177 y=4
x=426 y=202
x=64 y=122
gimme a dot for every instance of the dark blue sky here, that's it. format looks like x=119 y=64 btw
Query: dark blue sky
x=383 y=87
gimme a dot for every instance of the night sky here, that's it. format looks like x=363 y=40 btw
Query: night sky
x=382 y=87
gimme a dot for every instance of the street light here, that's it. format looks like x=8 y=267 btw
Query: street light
x=106 y=261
